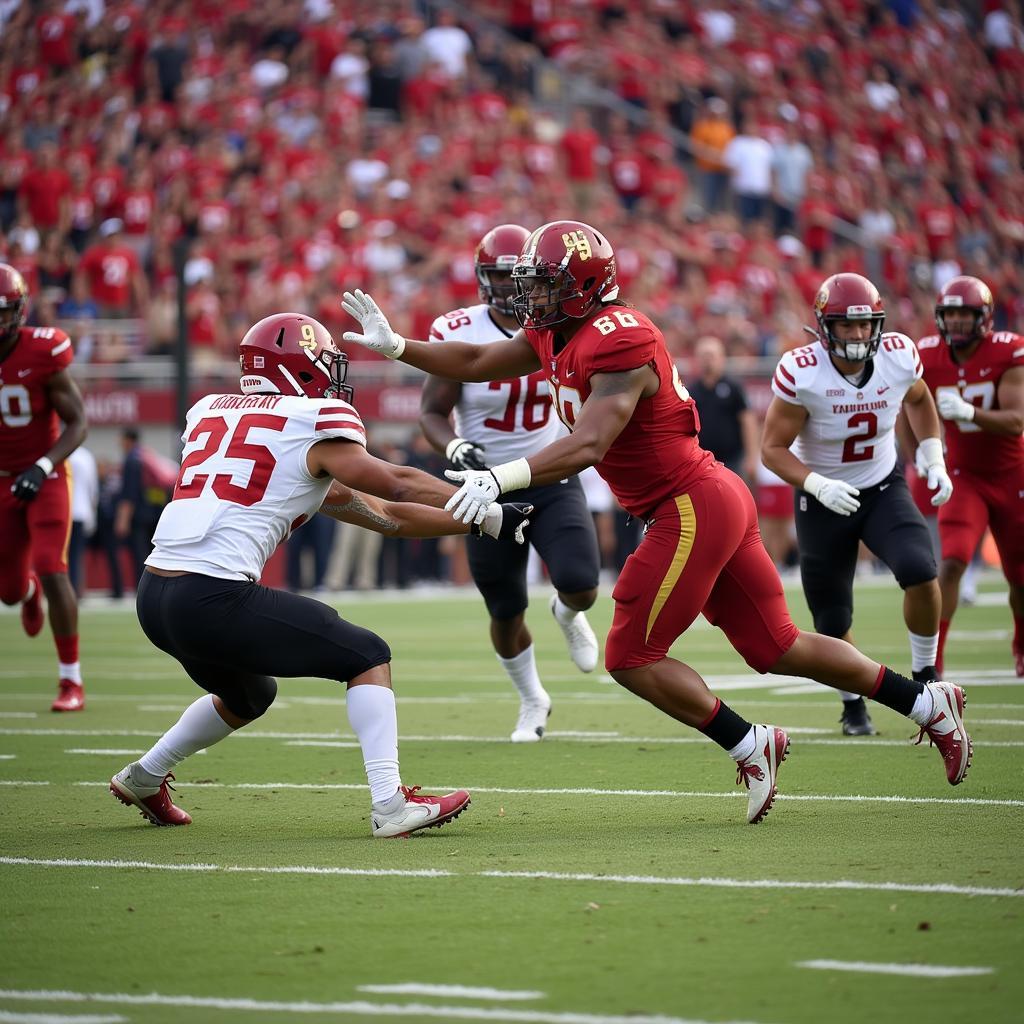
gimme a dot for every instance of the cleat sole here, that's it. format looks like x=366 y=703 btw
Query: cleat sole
x=144 y=812
x=436 y=823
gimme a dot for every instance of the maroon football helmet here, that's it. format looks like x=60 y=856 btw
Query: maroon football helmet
x=292 y=354
x=566 y=269
x=496 y=255
x=965 y=293
x=849 y=297
x=13 y=302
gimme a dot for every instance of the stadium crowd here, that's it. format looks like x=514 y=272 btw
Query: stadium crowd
x=738 y=153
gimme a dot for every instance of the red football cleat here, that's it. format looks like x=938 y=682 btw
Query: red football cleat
x=1018 y=662
x=154 y=802
x=946 y=730
x=33 y=610
x=70 y=697
x=409 y=811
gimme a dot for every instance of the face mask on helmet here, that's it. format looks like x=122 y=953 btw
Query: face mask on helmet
x=956 y=333
x=859 y=350
x=539 y=295
x=497 y=288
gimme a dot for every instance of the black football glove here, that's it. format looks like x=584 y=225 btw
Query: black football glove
x=26 y=485
x=464 y=454
x=505 y=522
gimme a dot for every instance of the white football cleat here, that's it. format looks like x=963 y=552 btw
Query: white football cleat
x=580 y=637
x=759 y=771
x=531 y=723
x=946 y=730
x=408 y=811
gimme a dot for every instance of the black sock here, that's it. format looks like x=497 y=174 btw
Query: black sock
x=926 y=675
x=724 y=726
x=896 y=691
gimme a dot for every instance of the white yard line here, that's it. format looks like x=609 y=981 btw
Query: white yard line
x=846 y=885
x=100 y=751
x=7 y=1017
x=358 y=1007
x=415 y=988
x=682 y=794
x=909 y=970
x=333 y=738
x=19 y=714
x=7 y=757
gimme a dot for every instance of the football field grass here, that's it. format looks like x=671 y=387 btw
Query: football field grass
x=603 y=875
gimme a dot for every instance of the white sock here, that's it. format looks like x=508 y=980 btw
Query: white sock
x=745 y=747
x=522 y=670
x=924 y=707
x=563 y=612
x=31 y=589
x=200 y=726
x=924 y=650
x=72 y=671
x=372 y=715
x=849 y=696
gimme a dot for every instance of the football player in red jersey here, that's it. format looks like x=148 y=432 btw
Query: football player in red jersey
x=36 y=394
x=616 y=388
x=977 y=375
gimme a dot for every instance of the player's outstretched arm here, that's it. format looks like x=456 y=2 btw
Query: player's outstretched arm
x=601 y=419
x=455 y=360
x=353 y=466
x=408 y=519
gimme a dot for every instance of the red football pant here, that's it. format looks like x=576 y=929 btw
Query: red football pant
x=33 y=534
x=702 y=552
x=977 y=503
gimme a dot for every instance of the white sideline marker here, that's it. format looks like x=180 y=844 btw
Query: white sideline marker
x=19 y=714
x=8 y=1017
x=909 y=970
x=845 y=885
x=359 y=1007
x=414 y=988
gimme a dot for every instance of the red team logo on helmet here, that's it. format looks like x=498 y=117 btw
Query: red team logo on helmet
x=496 y=255
x=849 y=297
x=965 y=293
x=566 y=269
x=13 y=301
x=292 y=354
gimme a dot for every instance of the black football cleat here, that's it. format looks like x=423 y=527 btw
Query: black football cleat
x=855 y=718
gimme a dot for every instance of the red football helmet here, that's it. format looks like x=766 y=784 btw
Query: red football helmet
x=496 y=255
x=566 y=269
x=292 y=354
x=849 y=297
x=13 y=302
x=965 y=293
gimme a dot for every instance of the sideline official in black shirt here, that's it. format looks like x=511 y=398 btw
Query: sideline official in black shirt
x=728 y=428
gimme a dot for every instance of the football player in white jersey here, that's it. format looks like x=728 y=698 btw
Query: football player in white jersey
x=255 y=466
x=495 y=422
x=830 y=432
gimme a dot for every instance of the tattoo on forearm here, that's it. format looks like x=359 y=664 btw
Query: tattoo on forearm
x=359 y=507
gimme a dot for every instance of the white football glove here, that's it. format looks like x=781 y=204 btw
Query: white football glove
x=836 y=495
x=929 y=462
x=479 y=490
x=377 y=334
x=952 y=407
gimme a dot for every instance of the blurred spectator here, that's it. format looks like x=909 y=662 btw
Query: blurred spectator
x=711 y=134
x=307 y=553
x=105 y=539
x=749 y=159
x=447 y=44
x=85 y=495
x=113 y=273
x=146 y=480
x=791 y=163
x=728 y=428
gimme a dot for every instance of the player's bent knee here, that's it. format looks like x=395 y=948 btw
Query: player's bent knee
x=253 y=701
x=835 y=621
x=505 y=608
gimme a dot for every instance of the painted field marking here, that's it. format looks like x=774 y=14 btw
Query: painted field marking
x=736 y=794
x=910 y=970
x=7 y=757
x=8 y=1017
x=15 y=782
x=332 y=738
x=414 y=988
x=360 y=1007
x=321 y=743
x=104 y=752
x=710 y=882
x=19 y=714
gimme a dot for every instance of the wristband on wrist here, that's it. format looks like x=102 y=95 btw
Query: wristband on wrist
x=970 y=411
x=399 y=347
x=45 y=465
x=812 y=483
x=930 y=449
x=512 y=476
